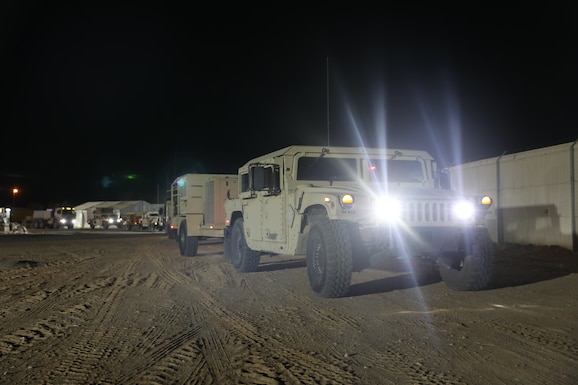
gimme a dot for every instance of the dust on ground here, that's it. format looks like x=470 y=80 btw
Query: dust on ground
x=126 y=308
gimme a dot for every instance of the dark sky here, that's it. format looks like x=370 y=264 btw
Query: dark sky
x=113 y=102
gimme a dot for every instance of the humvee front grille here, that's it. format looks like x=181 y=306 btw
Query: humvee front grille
x=427 y=212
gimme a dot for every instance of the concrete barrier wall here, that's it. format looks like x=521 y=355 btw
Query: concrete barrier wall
x=534 y=194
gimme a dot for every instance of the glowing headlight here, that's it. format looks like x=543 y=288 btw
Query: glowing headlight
x=347 y=201
x=387 y=209
x=486 y=201
x=464 y=210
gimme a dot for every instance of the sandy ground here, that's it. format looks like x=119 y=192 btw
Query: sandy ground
x=126 y=308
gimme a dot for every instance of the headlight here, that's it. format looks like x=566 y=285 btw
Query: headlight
x=387 y=209
x=464 y=210
x=63 y=220
x=347 y=201
x=486 y=201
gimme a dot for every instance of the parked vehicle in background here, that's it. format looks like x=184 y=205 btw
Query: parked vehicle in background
x=152 y=220
x=104 y=217
x=54 y=218
x=346 y=208
x=132 y=220
x=195 y=208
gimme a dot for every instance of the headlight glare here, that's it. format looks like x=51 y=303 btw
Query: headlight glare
x=464 y=210
x=387 y=209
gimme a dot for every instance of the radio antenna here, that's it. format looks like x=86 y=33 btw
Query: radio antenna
x=327 y=96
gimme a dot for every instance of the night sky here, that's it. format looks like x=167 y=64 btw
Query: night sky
x=113 y=102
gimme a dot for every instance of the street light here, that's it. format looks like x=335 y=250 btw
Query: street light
x=15 y=191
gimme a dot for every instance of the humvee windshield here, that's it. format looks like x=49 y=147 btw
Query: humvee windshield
x=401 y=171
x=330 y=169
x=344 y=169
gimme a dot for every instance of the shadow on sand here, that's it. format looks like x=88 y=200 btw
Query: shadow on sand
x=517 y=265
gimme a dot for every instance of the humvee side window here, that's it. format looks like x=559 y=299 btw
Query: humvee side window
x=329 y=169
x=400 y=171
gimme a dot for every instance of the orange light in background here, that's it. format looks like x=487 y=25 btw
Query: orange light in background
x=15 y=190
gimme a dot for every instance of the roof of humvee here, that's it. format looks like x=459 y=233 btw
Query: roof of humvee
x=316 y=150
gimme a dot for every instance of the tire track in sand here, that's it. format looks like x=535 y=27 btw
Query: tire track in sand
x=99 y=341
x=217 y=345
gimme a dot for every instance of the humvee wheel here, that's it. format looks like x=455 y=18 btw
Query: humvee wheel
x=329 y=258
x=188 y=246
x=472 y=269
x=243 y=258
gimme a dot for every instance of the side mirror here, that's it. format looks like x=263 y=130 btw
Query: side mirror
x=265 y=179
x=445 y=180
x=258 y=178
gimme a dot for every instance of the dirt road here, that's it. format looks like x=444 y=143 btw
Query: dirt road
x=126 y=308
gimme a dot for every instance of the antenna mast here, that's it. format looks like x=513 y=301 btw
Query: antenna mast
x=327 y=91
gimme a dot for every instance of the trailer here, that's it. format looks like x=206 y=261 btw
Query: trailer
x=196 y=208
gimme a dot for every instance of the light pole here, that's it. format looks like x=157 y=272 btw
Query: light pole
x=15 y=191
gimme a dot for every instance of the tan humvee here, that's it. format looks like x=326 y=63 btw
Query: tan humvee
x=346 y=208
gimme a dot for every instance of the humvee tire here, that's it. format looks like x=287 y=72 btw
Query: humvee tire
x=243 y=258
x=472 y=270
x=188 y=246
x=329 y=258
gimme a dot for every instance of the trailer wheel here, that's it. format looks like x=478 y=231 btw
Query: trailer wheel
x=188 y=246
x=329 y=258
x=243 y=258
x=471 y=268
x=171 y=233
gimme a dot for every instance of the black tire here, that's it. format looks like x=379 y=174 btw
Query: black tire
x=171 y=233
x=329 y=258
x=243 y=258
x=472 y=268
x=227 y=249
x=188 y=246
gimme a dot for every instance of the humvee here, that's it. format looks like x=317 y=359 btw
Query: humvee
x=343 y=208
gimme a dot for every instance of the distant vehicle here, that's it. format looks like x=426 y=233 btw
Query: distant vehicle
x=152 y=220
x=195 y=208
x=104 y=217
x=54 y=218
x=132 y=220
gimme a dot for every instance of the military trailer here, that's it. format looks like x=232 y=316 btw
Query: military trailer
x=345 y=208
x=195 y=208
